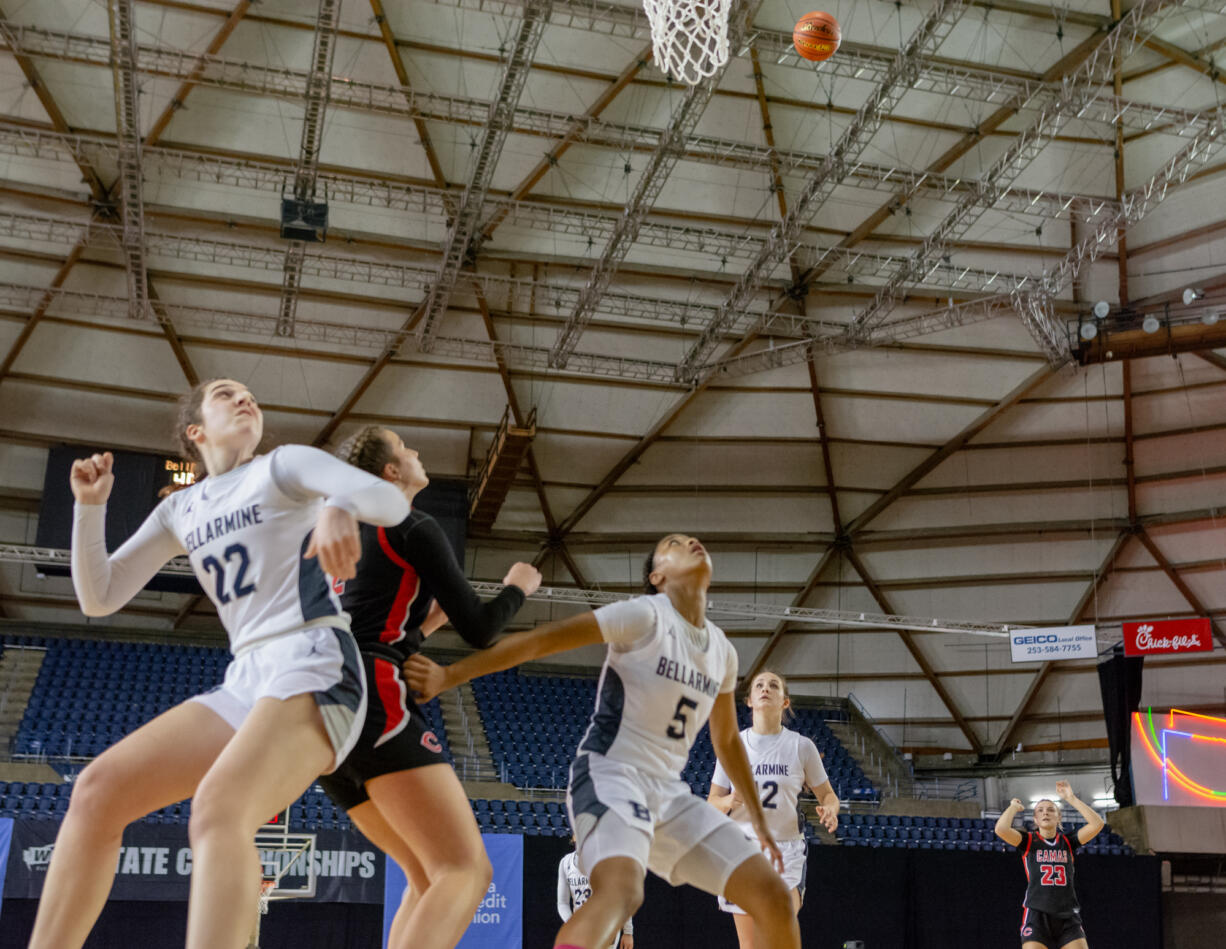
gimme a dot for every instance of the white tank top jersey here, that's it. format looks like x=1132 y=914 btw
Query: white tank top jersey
x=782 y=765
x=574 y=889
x=244 y=532
x=658 y=684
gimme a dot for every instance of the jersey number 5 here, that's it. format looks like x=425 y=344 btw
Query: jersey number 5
x=235 y=557
x=679 y=716
x=1052 y=875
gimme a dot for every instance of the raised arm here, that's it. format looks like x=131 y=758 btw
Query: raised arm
x=103 y=583
x=1004 y=824
x=350 y=495
x=730 y=751
x=1094 y=823
x=428 y=679
x=303 y=473
x=478 y=622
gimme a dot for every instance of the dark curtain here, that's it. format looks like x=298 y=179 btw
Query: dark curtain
x=1119 y=678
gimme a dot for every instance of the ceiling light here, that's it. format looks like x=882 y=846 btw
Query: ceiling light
x=1150 y=324
x=1210 y=317
x=1101 y=309
x=1190 y=296
x=1089 y=331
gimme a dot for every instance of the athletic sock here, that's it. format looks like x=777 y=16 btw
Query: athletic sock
x=567 y=946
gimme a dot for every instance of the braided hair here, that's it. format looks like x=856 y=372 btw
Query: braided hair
x=367 y=449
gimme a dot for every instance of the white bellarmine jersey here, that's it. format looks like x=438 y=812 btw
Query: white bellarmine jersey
x=245 y=533
x=782 y=764
x=241 y=534
x=575 y=889
x=658 y=684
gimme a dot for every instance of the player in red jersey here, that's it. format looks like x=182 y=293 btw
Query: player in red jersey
x=1051 y=917
x=395 y=784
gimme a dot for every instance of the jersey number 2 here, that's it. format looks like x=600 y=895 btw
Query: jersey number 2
x=235 y=552
x=679 y=716
x=1052 y=875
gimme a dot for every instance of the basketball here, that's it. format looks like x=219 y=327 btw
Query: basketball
x=816 y=36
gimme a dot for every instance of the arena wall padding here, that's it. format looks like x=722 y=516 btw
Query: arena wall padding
x=891 y=899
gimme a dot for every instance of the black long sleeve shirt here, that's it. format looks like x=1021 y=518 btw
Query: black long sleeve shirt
x=402 y=569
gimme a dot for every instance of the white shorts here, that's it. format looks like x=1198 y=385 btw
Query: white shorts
x=618 y=811
x=795 y=865
x=321 y=660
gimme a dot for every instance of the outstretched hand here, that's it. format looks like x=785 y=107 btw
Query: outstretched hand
x=425 y=677
x=1065 y=791
x=91 y=478
x=335 y=542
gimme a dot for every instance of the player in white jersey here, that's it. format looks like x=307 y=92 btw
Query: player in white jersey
x=262 y=533
x=574 y=889
x=784 y=762
x=668 y=668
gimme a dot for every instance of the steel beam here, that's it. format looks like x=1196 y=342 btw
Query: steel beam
x=927 y=37
x=669 y=150
x=465 y=226
x=127 y=125
x=1078 y=92
x=358 y=95
x=318 y=84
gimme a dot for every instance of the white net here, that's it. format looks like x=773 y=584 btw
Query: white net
x=689 y=37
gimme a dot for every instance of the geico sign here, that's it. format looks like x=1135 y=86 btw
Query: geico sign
x=1033 y=640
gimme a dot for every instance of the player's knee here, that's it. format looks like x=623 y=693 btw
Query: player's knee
x=767 y=898
x=211 y=814
x=99 y=794
x=631 y=893
x=777 y=898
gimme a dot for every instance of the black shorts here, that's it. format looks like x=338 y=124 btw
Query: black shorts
x=1054 y=932
x=396 y=736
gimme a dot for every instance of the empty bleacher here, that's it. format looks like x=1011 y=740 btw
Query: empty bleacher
x=535 y=723
x=945 y=833
x=91 y=693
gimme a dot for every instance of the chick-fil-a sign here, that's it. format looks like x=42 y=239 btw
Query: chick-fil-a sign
x=1173 y=635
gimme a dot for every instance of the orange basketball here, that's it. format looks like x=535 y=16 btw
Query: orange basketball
x=816 y=36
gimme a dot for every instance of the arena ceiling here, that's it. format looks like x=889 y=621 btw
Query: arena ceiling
x=819 y=316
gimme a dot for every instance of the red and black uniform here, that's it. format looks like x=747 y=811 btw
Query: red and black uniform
x=401 y=570
x=1050 y=914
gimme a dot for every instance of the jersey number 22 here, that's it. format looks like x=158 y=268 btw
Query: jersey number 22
x=237 y=560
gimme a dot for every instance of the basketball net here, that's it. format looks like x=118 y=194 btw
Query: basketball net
x=689 y=37
x=266 y=888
